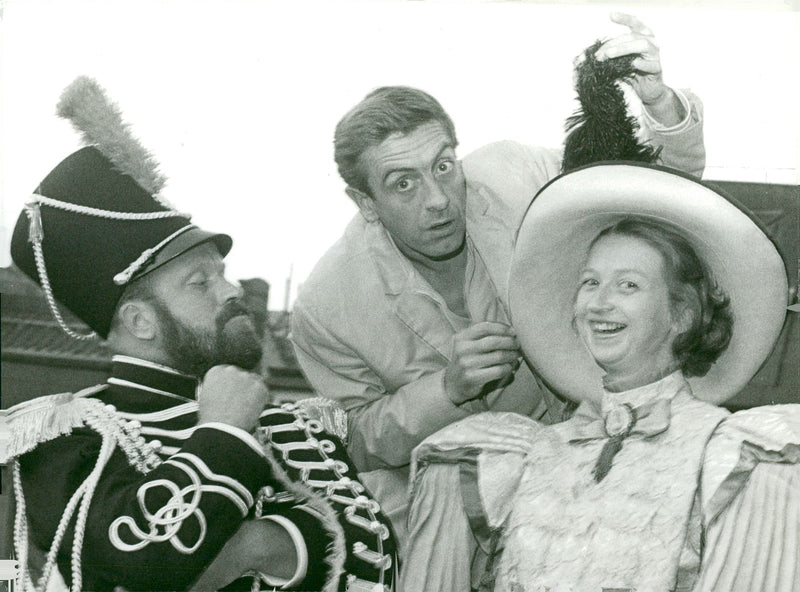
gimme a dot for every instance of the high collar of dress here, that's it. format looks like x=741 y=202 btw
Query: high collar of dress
x=644 y=411
x=133 y=378
x=663 y=386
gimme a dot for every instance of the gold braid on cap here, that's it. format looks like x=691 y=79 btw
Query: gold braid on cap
x=36 y=236
x=85 y=104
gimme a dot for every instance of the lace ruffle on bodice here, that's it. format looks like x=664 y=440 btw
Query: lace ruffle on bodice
x=569 y=532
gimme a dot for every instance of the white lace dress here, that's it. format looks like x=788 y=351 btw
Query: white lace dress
x=696 y=473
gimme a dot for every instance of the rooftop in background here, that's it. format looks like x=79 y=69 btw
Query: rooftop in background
x=31 y=334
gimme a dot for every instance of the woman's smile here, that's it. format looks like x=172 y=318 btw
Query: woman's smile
x=622 y=308
x=606 y=327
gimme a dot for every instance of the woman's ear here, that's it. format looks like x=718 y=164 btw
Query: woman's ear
x=138 y=318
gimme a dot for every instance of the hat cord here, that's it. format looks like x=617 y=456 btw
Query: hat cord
x=146 y=256
x=36 y=235
x=110 y=214
x=115 y=431
x=51 y=301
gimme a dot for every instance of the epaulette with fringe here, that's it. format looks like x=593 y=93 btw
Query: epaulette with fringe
x=41 y=420
x=45 y=418
x=327 y=411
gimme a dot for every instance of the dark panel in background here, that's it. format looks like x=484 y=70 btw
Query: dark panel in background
x=778 y=209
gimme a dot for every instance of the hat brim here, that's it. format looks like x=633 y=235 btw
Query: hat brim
x=184 y=242
x=552 y=245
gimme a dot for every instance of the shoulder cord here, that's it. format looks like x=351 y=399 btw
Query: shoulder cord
x=20 y=530
x=113 y=430
x=83 y=495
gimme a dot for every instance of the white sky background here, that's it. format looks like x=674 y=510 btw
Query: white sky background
x=238 y=100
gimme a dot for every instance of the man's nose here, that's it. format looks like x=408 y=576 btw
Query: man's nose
x=436 y=198
x=230 y=290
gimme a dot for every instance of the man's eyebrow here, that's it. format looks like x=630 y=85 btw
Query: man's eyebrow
x=391 y=172
x=444 y=147
x=203 y=266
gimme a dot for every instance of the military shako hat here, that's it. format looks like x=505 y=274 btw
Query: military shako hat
x=97 y=221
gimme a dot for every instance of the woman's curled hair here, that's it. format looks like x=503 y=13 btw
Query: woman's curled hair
x=692 y=288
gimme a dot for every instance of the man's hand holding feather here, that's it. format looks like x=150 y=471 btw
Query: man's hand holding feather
x=659 y=99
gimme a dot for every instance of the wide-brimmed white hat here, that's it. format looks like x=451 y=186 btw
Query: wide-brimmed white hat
x=551 y=249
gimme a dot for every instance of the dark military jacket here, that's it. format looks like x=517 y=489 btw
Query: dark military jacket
x=155 y=523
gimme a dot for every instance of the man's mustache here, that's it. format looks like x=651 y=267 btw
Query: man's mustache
x=231 y=310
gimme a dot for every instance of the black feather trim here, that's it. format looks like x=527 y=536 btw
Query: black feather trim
x=602 y=129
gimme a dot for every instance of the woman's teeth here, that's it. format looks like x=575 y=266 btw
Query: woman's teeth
x=608 y=327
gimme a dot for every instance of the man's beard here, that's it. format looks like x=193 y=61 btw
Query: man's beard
x=195 y=352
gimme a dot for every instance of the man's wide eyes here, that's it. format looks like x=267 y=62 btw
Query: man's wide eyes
x=445 y=166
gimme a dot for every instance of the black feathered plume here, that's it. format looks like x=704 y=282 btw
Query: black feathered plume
x=602 y=128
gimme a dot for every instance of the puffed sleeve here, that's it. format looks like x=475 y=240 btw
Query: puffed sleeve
x=463 y=479
x=751 y=502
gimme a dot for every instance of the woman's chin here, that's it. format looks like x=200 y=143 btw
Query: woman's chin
x=609 y=362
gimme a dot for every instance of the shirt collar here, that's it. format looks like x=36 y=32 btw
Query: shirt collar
x=644 y=411
x=394 y=269
x=665 y=388
x=398 y=275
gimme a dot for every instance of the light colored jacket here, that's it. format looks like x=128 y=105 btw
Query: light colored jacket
x=371 y=334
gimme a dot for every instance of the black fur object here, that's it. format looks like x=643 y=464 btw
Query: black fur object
x=602 y=129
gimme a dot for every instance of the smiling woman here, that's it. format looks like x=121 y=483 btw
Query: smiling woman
x=622 y=310
x=647 y=304
x=610 y=497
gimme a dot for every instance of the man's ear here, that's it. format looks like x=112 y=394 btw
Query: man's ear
x=364 y=202
x=139 y=319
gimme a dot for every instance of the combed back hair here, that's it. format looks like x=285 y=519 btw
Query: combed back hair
x=692 y=287
x=384 y=111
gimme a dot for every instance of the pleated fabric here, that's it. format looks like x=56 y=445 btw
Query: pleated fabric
x=755 y=542
x=441 y=544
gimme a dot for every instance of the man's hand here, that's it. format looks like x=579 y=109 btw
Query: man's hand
x=482 y=353
x=260 y=545
x=648 y=83
x=233 y=396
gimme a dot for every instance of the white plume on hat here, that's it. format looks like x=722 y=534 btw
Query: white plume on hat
x=99 y=120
